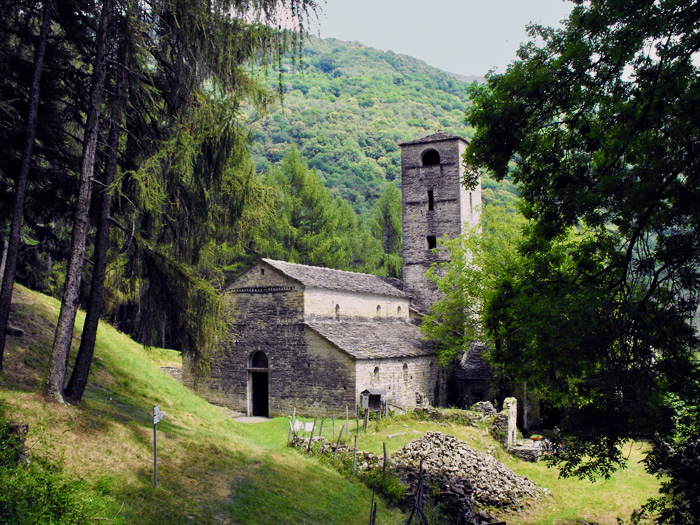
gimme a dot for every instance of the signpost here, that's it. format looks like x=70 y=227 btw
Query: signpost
x=157 y=417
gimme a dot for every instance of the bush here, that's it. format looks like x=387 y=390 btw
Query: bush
x=34 y=489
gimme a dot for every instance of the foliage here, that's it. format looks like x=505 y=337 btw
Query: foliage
x=676 y=460
x=386 y=226
x=186 y=187
x=349 y=106
x=598 y=124
x=309 y=225
x=35 y=490
x=478 y=259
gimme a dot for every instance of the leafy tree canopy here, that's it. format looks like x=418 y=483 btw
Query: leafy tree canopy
x=601 y=123
x=478 y=259
x=348 y=106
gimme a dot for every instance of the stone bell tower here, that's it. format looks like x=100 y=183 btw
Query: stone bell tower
x=435 y=203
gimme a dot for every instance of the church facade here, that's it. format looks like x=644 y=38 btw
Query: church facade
x=315 y=339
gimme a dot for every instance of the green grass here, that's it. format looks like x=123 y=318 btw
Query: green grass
x=213 y=469
x=572 y=499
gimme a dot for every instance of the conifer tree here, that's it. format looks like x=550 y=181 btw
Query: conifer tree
x=200 y=52
x=12 y=248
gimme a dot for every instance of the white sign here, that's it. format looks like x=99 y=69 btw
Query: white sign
x=160 y=416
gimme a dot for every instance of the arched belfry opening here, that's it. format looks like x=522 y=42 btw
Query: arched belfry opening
x=258 y=390
x=431 y=158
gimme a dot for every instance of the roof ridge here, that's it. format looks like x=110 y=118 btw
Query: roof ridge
x=332 y=279
x=433 y=137
x=269 y=261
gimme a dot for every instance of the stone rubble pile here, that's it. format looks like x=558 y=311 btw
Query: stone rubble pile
x=461 y=473
x=485 y=407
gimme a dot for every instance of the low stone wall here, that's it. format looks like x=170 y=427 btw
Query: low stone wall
x=527 y=450
x=460 y=417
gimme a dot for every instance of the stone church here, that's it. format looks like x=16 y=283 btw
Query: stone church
x=317 y=339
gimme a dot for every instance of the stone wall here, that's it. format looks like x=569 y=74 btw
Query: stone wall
x=304 y=371
x=401 y=378
x=452 y=206
x=322 y=303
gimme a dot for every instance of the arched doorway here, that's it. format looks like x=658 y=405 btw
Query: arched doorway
x=258 y=392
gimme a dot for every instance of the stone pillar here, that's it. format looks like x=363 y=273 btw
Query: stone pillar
x=510 y=407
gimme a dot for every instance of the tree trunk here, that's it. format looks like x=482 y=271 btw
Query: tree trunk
x=8 y=279
x=81 y=368
x=3 y=261
x=54 y=385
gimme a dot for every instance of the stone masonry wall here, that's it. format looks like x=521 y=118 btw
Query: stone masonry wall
x=400 y=382
x=304 y=371
x=321 y=303
x=450 y=209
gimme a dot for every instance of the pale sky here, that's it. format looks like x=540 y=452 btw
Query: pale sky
x=468 y=37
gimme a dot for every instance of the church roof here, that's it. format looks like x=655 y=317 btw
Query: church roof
x=374 y=339
x=317 y=277
x=473 y=365
x=435 y=137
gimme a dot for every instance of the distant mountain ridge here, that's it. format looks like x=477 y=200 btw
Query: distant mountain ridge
x=468 y=78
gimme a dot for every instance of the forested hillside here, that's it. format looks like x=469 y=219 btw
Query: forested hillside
x=347 y=107
x=191 y=201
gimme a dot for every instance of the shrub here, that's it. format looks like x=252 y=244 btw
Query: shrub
x=34 y=489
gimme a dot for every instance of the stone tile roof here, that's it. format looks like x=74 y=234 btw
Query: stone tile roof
x=435 y=137
x=374 y=339
x=473 y=367
x=317 y=277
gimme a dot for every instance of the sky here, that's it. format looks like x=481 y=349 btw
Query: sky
x=468 y=37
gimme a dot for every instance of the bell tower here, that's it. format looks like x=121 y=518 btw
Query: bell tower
x=434 y=203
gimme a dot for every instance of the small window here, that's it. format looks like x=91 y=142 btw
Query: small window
x=398 y=310
x=337 y=310
x=405 y=371
x=376 y=373
x=431 y=202
x=431 y=158
x=432 y=242
x=379 y=309
x=262 y=271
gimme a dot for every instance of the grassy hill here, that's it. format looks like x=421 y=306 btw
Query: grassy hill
x=213 y=469
x=347 y=106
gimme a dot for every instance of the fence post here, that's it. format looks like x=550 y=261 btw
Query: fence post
x=311 y=437
x=338 y=442
x=384 y=466
x=354 y=456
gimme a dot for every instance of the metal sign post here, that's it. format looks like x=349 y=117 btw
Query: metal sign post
x=157 y=417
